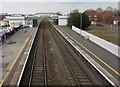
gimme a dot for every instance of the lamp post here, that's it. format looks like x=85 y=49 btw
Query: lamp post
x=81 y=24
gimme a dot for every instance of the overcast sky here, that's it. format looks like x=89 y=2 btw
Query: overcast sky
x=35 y=6
x=59 y=0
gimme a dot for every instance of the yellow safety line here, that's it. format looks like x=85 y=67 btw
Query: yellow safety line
x=1 y=83
x=92 y=53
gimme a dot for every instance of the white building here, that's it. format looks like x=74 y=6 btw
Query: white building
x=31 y=21
x=62 y=20
x=4 y=22
x=16 y=20
x=21 y=20
x=45 y=14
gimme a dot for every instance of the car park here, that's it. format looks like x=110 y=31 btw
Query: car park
x=10 y=29
x=2 y=35
x=7 y=32
x=21 y=26
x=25 y=26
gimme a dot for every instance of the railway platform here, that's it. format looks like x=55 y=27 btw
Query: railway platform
x=50 y=56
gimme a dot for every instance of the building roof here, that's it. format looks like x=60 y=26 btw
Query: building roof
x=2 y=16
x=106 y=13
x=63 y=17
x=110 y=19
x=117 y=18
x=90 y=12
x=21 y=18
x=45 y=13
x=31 y=18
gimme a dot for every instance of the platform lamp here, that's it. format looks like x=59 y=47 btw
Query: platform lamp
x=81 y=24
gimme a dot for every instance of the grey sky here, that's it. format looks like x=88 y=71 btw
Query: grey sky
x=64 y=7
x=59 y=0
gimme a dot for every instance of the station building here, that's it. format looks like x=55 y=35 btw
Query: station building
x=60 y=20
x=22 y=20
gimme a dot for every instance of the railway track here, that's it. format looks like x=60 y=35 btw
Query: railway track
x=43 y=67
x=77 y=72
x=38 y=71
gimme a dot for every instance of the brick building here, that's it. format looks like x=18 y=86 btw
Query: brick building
x=105 y=19
x=92 y=15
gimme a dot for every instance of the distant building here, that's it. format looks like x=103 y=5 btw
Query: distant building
x=62 y=20
x=4 y=23
x=55 y=19
x=22 y=20
x=109 y=20
x=106 y=19
x=3 y=15
x=103 y=15
x=16 y=20
x=45 y=14
x=31 y=21
x=92 y=15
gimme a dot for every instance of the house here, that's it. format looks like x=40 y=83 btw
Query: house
x=103 y=15
x=106 y=19
x=92 y=15
x=95 y=17
x=109 y=20
x=117 y=21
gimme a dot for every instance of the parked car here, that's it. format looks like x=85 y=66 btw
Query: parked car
x=4 y=23
x=25 y=26
x=2 y=35
x=10 y=29
x=7 y=32
x=21 y=26
x=14 y=29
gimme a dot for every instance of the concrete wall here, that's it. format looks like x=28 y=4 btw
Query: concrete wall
x=114 y=49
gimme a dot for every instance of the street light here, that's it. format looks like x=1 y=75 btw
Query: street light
x=81 y=24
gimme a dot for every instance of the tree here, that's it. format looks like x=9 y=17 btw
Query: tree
x=99 y=10
x=116 y=12
x=58 y=13
x=90 y=10
x=85 y=21
x=109 y=8
x=75 y=20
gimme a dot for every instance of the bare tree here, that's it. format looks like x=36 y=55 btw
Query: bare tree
x=99 y=10
x=109 y=8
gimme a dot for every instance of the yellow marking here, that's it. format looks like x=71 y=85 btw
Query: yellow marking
x=1 y=83
x=92 y=53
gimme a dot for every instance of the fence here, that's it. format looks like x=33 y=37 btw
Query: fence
x=108 y=26
x=114 y=49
